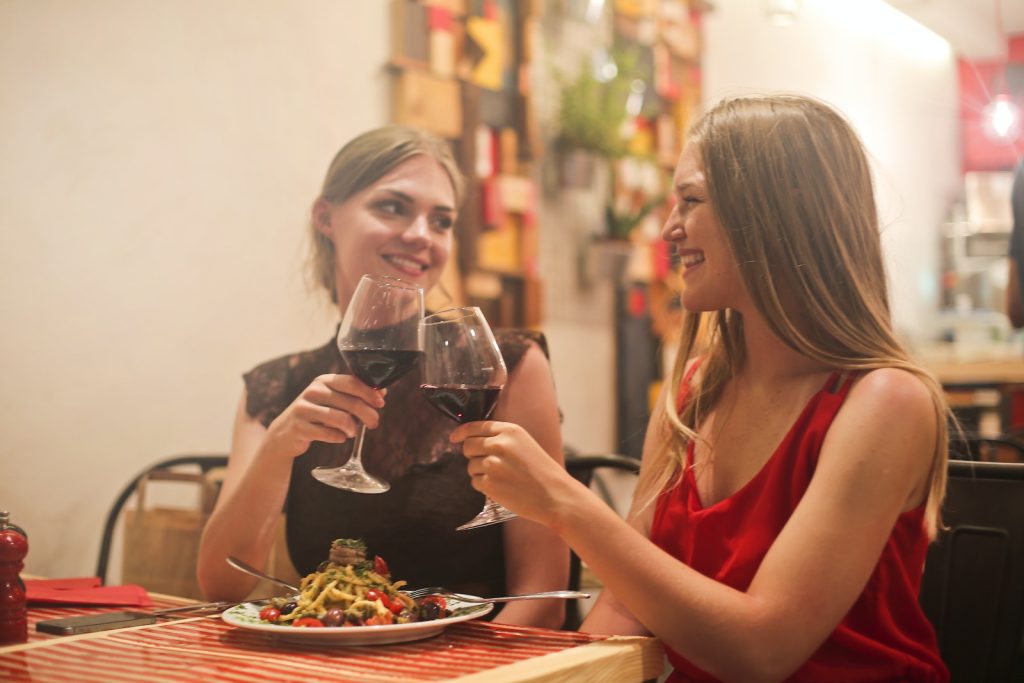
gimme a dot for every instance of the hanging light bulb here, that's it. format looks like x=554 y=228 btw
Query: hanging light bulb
x=1001 y=114
x=1002 y=118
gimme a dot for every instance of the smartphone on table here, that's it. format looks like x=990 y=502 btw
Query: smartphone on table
x=90 y=623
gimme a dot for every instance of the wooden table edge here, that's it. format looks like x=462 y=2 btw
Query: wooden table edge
x=613 y=659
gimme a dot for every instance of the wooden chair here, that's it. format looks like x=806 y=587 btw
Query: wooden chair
x=973 y=584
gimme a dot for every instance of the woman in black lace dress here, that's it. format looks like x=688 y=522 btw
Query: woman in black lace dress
x=388 y=206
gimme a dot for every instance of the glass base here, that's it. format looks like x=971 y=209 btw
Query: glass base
x=351 y=479
x=493 y=513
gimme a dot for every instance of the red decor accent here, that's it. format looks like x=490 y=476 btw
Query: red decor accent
x=1016 y=401
x=439 y=18
x=637 y=302
x=662 y=259
x=490 y=10
x=1015 y=48
x=493 y=206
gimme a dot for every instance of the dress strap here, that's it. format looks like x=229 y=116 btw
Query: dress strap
x=692 y=369
x=840 y=381
x=684 y=385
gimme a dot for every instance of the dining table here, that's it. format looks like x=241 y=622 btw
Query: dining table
x=203 y=647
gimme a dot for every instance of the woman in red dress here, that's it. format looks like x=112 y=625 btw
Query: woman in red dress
x=795 y=465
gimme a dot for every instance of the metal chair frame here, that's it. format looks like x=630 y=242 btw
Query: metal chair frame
x=205 y=464
x=582 y=468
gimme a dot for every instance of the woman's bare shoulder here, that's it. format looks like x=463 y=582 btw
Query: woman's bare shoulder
x=891 y=388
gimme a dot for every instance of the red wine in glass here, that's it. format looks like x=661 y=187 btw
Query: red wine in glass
x=461 y=402
x=379 y=368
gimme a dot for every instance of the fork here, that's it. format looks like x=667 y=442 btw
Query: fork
x=249 y=569
x=438 y=590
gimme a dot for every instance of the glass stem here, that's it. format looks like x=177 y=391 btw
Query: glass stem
x=355 y=461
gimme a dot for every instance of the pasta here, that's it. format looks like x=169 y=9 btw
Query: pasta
x=349 y=590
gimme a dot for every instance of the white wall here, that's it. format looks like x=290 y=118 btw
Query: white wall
x=156 y=163
x=895 y=81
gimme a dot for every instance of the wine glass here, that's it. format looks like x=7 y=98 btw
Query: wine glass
x=380 y=340
x=463 y=374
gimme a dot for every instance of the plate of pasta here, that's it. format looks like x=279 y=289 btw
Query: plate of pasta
x=350 y=600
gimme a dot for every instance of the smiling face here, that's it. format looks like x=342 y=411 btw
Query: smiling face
x=399 y=226
x=710 y=273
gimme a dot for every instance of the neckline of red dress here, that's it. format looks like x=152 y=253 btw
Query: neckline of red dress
x=812 y=402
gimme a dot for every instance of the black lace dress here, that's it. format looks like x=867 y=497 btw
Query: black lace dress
x=412 y=526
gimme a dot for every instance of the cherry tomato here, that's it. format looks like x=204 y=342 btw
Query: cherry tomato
x=396 y=606
x=374 y=594
x=270 y=613
x=436 y=599
x=380 y=566
x=432 y=607
x=308 y=622
x=380 y=620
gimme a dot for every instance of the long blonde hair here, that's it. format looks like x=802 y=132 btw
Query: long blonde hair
x=363 y=161
x=791 y=187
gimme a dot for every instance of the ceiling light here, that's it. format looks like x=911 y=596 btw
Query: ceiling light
x=1002 y=118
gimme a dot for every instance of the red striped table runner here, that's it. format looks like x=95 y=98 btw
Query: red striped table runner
x=209 y=650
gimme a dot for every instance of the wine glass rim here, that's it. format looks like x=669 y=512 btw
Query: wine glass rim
x=435 y=319
x=389 y=281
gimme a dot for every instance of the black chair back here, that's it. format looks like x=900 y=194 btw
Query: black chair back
x=973 y=584
x=1005 y=448
x=582 y=468
x=205 y=464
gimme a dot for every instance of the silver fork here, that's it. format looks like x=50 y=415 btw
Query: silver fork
x=438 y=590
x=249 y=569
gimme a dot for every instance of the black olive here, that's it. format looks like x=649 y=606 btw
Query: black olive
x=430 y=611
x=334 y=617
x=288 y=607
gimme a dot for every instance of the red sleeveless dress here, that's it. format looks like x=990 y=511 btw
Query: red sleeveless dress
x=884 y=637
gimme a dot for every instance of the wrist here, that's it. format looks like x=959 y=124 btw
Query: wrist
x=274 y=456
x=570 y=507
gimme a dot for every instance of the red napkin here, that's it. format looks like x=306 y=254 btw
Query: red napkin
x=84 y=591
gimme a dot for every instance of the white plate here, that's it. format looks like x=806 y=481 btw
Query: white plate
x=247 y=616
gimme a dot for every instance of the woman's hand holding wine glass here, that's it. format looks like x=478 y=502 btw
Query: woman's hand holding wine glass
x=508 y=464
x=379 y=339
x=331 y=409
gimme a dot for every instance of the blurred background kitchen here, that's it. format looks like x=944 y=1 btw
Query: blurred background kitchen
x=159 y=158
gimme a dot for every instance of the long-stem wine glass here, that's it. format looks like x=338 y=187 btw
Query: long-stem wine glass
x=463 y=374
x=380 y=340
